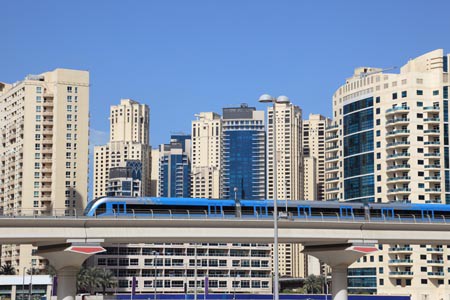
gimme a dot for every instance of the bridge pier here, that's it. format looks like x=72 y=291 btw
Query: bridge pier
x=67 y=260
x=339 y=257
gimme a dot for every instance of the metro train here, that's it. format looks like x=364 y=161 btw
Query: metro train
x=293 y=209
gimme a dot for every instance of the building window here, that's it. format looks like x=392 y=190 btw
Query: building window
x=419 y=93
x=39 y=90
x=69 y=89
x=69 y=98
x=404 y=94
x=394 y=96
x=436 y=93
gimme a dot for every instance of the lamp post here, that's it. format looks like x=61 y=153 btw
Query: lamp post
x=195 y=271
x=155 y=253
x=23 y=283
x=269 y=99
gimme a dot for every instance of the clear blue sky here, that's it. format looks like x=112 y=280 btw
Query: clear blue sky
x=183 y=57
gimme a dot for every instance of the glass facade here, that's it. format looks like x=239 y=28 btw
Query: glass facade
x=358 y=151
x=244 y=151
x=362 y=280
x=175 y=168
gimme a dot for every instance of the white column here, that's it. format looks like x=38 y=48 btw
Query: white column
x=339 y=282
x=67 y=282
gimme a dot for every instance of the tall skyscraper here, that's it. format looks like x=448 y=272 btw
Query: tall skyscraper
x=175 y=167
x=44 y=121
x=244 y=156
x=284 y=148
x=129 y=141
x=314 y=147
x=206 y=178
x=390 y=144
x=287 y=120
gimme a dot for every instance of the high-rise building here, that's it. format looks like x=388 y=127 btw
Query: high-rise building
x=284 y=148
x=310 y=177
x=244 y=154
x=389 y=143
x=314 y=146
x=206 y=179
x=175 y=167
x=287 y=121
x=44 y=121
x=129 y=141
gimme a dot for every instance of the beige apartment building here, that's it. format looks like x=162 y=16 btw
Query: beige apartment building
x=284 y=130
x=314 y=147
x=239 y=268
x=44 y=121
x=389 y=143
x=206 y=157
x=129 y=141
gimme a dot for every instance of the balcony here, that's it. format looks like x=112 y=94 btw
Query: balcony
x=332 y=127
x=432 y=132
x=433 y=201
x=398 y=121
x=396 y=167
x=331 y=137
x=432 y=120
x=432 y=154
x=398 y=132
x=432 y=143
x=397 y=109
x=435 y=250
x=395 y=144
x=332 y=189
x=435 y=262
x=403 y=274
x=431 y=108
x=48 y=95
x=400 y=249
x=399 y=191
x=332 y=148
x=331 y=158
x=436 y=274
x=400 y=178
x=433 y=190
x=391 y=156
x=332 y=169
x=433 y=167
x=433 y=178
x=332 y=179
x=400 y=261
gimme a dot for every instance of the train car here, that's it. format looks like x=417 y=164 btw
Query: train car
x=191 y=207
x=409 y=212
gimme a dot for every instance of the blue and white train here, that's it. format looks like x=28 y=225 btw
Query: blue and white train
x=211 y=208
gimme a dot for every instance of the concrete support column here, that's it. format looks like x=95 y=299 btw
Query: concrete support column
x=67 y=282
x=339 y=283
x=339 y=257
x=67 y=260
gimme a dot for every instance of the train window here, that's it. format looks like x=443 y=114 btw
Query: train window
x=101 y=209
x=387 y=213
x=215 y=209
x=304 y=211
x=118 y=208
x=346 y=211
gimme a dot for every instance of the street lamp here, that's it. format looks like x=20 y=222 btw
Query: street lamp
x=155 y=253
x=269 y=99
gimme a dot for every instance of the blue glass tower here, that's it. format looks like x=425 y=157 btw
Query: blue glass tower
x=175 y=167
x=358 y=151
x=244 y=153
